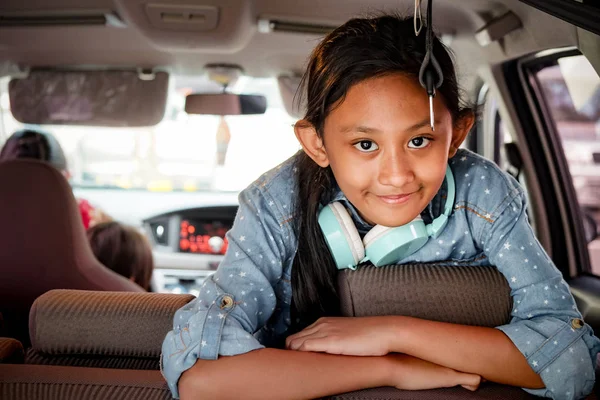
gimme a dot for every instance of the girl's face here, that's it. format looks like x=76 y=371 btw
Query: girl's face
x=382 y=151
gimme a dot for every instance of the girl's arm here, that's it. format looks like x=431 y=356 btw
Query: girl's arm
x=484 y=351
x=545 y=345
x=282 y=374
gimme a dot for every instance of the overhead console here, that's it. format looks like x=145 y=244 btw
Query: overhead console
x=178 y=25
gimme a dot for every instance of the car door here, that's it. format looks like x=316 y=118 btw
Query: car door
x=541 y=123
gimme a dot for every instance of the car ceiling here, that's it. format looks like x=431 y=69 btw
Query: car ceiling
x=237 y=40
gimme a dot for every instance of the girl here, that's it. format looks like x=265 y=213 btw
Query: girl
x=123 y=249
x=367 y=144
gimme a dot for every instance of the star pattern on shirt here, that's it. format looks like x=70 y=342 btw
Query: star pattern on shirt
x=487 y=191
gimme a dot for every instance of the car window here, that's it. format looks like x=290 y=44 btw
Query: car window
x=571 y=89
x=182 y=152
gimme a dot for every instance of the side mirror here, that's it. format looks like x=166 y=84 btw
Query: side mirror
x=590 y=227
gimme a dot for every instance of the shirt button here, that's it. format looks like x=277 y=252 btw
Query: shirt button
x=227 y=302
x=576 y=323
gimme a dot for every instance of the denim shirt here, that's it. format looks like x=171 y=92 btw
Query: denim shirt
x=245 y=304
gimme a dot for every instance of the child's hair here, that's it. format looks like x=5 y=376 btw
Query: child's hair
x=358 y=50
x=124 y=250
x=33 y=144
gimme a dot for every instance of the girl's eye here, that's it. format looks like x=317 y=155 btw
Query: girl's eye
x=418 y=142
x=366 y=146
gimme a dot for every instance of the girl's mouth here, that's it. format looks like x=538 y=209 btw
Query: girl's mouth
x=396 y=199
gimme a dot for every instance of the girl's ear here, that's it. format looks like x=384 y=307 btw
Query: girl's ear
x=311 y=142
x=459 y=133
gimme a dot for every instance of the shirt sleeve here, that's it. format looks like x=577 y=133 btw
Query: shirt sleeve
x=545 y=323
x=238 y=299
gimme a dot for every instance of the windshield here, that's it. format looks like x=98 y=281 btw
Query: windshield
x=183 y=152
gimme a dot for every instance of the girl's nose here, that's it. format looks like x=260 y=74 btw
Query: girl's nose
x=394 y=171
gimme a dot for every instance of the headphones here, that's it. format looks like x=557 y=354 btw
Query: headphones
x=382 y=245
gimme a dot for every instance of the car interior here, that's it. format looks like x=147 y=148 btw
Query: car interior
x=166 y=110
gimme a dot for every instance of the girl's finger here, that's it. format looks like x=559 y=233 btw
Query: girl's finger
x=299 y=343
x=314 y=344
x=302 y=333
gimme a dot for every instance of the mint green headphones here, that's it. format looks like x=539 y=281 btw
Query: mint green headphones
x=382 y=245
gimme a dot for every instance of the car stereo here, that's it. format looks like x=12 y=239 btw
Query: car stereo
x=203 y=236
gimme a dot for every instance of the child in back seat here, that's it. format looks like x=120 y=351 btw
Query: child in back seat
x=374 y=182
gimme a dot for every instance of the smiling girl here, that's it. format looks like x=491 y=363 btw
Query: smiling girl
x=267 y=323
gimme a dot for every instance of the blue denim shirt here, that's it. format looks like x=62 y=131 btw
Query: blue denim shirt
x=245 y=304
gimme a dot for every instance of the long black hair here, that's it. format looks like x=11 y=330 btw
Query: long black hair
x=360 y=49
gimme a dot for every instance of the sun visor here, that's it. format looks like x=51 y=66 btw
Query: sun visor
x=293 y=101
x=88 y=97
x=589 y=44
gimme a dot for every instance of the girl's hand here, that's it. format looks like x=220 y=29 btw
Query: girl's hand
x=352 y=336
x=411 y=373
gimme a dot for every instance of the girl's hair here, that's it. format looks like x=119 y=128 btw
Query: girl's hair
x=124 y=250
x=358 y=50
x=33 y=144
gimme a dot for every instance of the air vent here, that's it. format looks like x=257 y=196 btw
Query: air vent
x=60 y=18
x=160 y=232
x=183 y=17
x=266 y=25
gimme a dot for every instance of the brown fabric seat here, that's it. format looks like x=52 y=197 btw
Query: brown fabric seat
x=40 y=382
x=72 y=324
x=44 y=245
x=101 y=329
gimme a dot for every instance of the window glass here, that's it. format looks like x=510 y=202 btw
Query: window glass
x=183 y=152
x=572 y=93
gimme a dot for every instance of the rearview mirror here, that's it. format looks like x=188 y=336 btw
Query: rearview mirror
x=225 y=104
x=87 y=97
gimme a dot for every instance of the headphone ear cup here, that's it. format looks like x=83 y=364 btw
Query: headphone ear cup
x=349 y=231
x=385 y=245
x=375 y=233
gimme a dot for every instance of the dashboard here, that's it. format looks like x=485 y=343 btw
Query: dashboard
x=187 y=246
